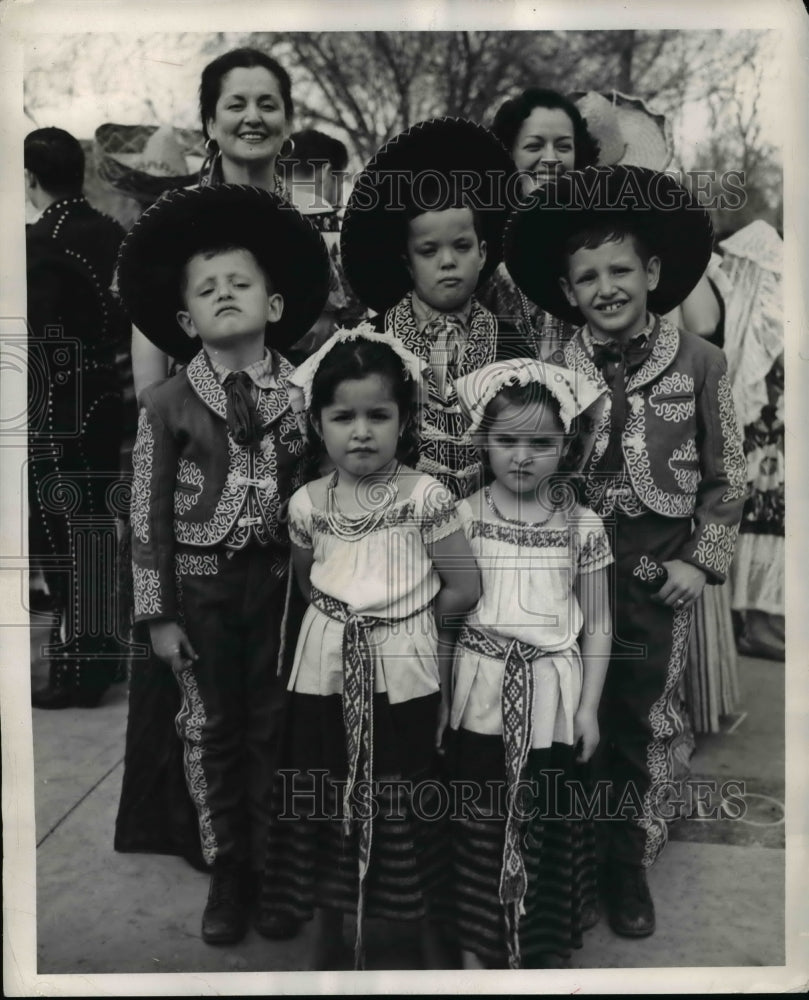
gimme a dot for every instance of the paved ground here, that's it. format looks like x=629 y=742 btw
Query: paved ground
x=719 y=887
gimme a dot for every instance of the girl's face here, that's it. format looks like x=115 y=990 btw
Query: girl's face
x=361 y=426
x=525 y=443
x=249 y=122
x=544 y=147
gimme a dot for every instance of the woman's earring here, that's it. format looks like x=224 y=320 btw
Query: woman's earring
x=286 y=153
x=211 y=147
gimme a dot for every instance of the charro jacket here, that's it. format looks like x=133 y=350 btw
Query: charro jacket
x=681 y=444
x=194 y=486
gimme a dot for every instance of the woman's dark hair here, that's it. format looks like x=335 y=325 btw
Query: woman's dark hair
x=535 y=394
x=512 y=113
x=356 y=359
x=210 y=86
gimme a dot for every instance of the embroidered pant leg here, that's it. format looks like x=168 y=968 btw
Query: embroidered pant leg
x=232 y=607
x=639 y=710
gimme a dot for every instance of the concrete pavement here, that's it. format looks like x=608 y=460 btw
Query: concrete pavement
x=719 y=887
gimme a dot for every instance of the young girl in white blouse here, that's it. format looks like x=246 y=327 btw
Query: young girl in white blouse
x=529 y=668
x=379 y=552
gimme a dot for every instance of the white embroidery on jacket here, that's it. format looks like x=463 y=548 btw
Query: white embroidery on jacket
x=684 y=464
x=142 y=457
x=148 y=600
x=716 y=546
x=196 y=564
x=672 y=398
x=732 y=451
x=189 y=475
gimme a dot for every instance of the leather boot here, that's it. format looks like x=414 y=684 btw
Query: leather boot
x=630 y=909
x=225 y=918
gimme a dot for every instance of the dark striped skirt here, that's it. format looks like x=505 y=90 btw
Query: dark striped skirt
x=558 y=852
x=311 y=861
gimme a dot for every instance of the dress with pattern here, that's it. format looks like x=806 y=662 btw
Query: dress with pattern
x=381 y=584
x=528 y=572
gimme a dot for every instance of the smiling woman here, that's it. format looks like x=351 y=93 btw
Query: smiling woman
x=246 y=109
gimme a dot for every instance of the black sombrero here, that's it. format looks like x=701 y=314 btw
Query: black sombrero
x=172 y=230
x=666 y=215
x=463 y=156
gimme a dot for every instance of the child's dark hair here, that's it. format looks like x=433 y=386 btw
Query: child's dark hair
x=356 y=359
x=512 y=113
x=596 y=236
x=570 y=462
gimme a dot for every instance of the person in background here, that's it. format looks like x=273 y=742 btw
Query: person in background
x=313 y=173
x=754 y=344
x=546 y=135
x=75 y=416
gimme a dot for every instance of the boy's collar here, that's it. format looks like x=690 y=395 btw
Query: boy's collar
x=261 y=372
x=424 y=313
x=642 y=337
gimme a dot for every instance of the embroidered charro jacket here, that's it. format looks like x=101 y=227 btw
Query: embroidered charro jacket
x=195 y=487
x=446 y=450
x=681 y=444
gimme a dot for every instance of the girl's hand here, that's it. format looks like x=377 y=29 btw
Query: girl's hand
x=585 y=734
x=171 y=644
x=443 y=721
x=684 y=584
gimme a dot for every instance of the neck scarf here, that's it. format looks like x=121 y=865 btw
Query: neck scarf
x=241 y=415
x=617 y=362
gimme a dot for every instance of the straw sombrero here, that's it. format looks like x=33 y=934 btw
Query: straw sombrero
x=627 y=130
x=144 y=161
x=154 y=252
x=373 y=235
x=672 y=223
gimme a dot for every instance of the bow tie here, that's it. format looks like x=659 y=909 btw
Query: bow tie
x=632 y=355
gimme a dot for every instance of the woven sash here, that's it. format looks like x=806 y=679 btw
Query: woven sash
x=358 y=718
x=517 y=706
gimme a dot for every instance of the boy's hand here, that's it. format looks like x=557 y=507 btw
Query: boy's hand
x=683 y=586
x=171 y=644
x=585 y=734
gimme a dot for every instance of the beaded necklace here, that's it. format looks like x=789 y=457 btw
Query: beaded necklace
x=350 y=529
x=487 y=492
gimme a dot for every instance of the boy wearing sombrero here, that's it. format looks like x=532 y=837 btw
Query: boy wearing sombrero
x=221 y=278
x=423 y=229
x=613 y=248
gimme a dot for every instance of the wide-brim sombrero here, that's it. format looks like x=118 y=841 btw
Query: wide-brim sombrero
x=154 y=252
x=144 y=161
x=674 y=226
x=627 y=130
x=467 y=156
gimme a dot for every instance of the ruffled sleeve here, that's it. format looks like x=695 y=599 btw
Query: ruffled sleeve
x=300 y=519
x=592 y=543
x=439 y=518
